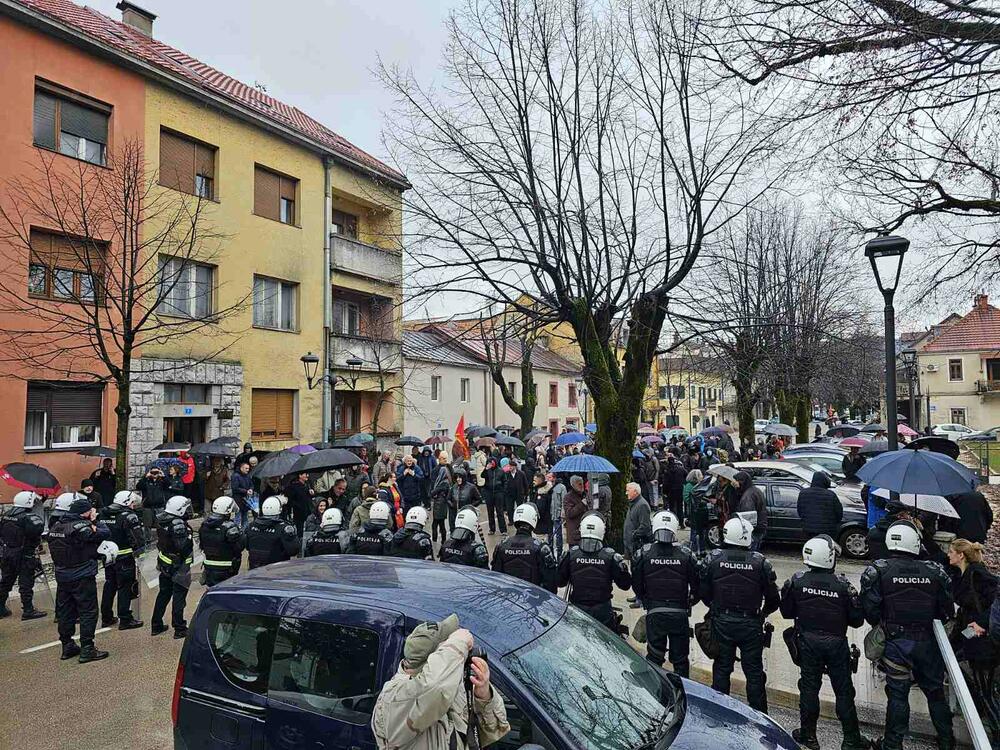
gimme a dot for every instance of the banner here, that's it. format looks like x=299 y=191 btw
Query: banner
x=460 y=448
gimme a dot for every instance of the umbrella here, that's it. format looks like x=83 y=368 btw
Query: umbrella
x=165 y=463
x=716 y=431
x=638 y=454
x=936 y=444
x=276 y=465
x=508 y=440
x=590 y=427
x=227 y=440
x=646 y=430
x=842 y=431
x=584 y=463
x=30 y=477
x=479 y=431
x=409 y=440
x=485 y=441
x=721 y=470
x=906 y=431
x=854 y=442
x=650 y=439
x=100 y=452
x=535 y=433
x=437 y=439
x=321 y=445
x=362 y=437
x=875 y=427
x=875 y=446
x=923 y=472
x=505 y=428
x=645 y=424
x=571 y=438
x=930 y=503
x=211 y=449
x=302 y=449
x=354 y=441
x=331 y=458
x=782 y=430
x=171 y=447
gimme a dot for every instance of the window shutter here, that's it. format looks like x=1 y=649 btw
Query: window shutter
x=264 y=416
x=76 y=406
x=177 y=162
x=204 y=160
x=266 y=187
x=45 y=120
x=83 y=122
x=287 y=188
x=285 y=406
x=38 y=397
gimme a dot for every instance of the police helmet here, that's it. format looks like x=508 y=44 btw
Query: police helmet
x=527 y=514
x=737 y=532
x=282 y=500
x=416 y=517
x=902 y=536
x=224 y=506
x=65 y=500
x=178 y=506
x=665 y=526
x=332 y=520
x=127 y=499
x=466 y=523
x=109 y=551
x=592 y=526
x=820 y=552
x=380 y=513
x=271 y=507
x=25 y=499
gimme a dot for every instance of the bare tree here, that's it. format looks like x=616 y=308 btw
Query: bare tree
x=111 y=259
x=582 y=152
x=506 y=338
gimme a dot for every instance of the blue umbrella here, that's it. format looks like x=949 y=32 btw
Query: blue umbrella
x=590 y=427
x=584 y=463
x=917 y=472
x=571 y=438
x=638 y=454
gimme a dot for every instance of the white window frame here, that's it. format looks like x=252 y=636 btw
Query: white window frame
x=45 y=430
x=283 y=288
x=75 y=441
x=954 y=422
x=435 y=388
x=203 y=186
x=465 y=388
x=961 y=369
x=190 y=269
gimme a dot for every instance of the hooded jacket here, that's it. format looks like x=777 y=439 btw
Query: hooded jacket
x=752 y=499
x=820 y=508
x=360 y=515
x=574 y=506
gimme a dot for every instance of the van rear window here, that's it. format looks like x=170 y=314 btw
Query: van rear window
x=242 y=645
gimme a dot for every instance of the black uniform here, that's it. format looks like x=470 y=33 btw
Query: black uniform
x=739 y=588
x=223 y=542
x=175 y=543
x=120 y=577
x=824 y=604
x=20 y=534
x=906 y=595
x=73 y=543
x=412 y=543
x=591 y=575
x=524 y=557
x=665 y=578
x=370 y=539
x=327 y=543
x=465 y=552
x=271 y=540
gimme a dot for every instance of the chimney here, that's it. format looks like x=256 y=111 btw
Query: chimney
x=980 y=302
x=138 y=18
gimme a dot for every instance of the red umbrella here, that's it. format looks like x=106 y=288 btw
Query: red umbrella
x=853 y=442
x=30 y=477
x=906 y=431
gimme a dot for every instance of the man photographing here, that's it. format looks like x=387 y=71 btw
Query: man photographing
x=427 y=704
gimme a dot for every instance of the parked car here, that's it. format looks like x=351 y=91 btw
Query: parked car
x=983 y=436
x=813 y=448
x=952 y=431
x=781 y=482
x=760 y=424
x=831 y=463
x=295 y=654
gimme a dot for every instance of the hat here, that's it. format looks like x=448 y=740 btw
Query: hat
x=425 y=639
x=504 y=462
x=81 y=506
x=87 y=482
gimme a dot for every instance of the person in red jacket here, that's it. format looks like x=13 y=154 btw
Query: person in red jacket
x=189 y=474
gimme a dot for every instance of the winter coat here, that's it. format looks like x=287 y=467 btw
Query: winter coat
x=241 y=485
x=558 y=498
x=974 y=593
x=104 y=483
x=381 y=467
x=494 y=481
x=696 y=508
x=324 y=483
x=360 y=515
x=820 y=508
x=410 y=485
x=851 y=464
x=543 y=501
x=975 y=517
x=154 y=492
x=464 y=494
x=638 y=529
x=216 y=481
x=354 y=482
x=516 y=489
x=478 y=462
x=574 y=506
x=674 y=476
x=752 y=499
x=300 y=502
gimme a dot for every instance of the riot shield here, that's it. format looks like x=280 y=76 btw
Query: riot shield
x=44 y=590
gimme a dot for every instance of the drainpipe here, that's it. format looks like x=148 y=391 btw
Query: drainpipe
x=327 y=296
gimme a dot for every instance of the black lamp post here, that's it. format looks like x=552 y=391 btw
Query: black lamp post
x=886 y=256
x=310 y=364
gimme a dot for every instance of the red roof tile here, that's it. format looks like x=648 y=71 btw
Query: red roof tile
x=471 y=340
x=133 y=43
x=977 y=331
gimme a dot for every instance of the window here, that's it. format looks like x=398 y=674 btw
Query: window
x=345 y=224
x=958 y=416
x=346 y=318
x=349 y=412
x=273 y=415
x=553 y=394
x=274 y=195
x=70 y=123
x=62 y=415
x=442 y=432
x=187 y=165
x=954 y=369
x=512 y=387
x=64 y=268
x=465 y=383
x=435 y=387
x=274 y=303
x=324 y=668
x=678 y=390
x=571 y=396
x=572 y=423
x=242 y=645
x=193 y=393
x=554 y=427
x=785 y=496
x=186 y=288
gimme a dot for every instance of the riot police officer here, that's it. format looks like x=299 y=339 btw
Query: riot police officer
x=905 y=595
x=463 y=547
x=61 y=506
x=222 y=541
x=120 y=577
x=332 y=538
x=412 y=541
x=665 y=578
x=823 y=604
x=76 y=541
x=525 y=557
x=739 y=588
x=175 y=542
x=374 y=537
x=590 y=568
x=270 y=538
x=20 y=535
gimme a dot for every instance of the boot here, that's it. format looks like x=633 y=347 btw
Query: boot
x=4 y=612
x=69 y=650
x=90 y=653
x=32 y=614
x=129 y=623
x=180 y=633
x=806 y=739
x=157 y=629
x=855 y=742
x=109 y=623
x=946 y=743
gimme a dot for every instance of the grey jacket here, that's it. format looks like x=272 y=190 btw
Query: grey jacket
x=637 y=522
x=558 y=493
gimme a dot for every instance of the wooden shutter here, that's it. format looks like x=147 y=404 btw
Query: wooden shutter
x=76 y=406
x=204 y=160
x=58 y=251
x=83 y=122
x=45 y=120
x=287 y=188
x=38 y=397
x=177 y=162
x=264 y=416
x=285 y=404
x=266 y=189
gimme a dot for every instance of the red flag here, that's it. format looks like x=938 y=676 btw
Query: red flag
x=460 y=440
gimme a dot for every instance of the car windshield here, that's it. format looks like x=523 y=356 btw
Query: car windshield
x=602 y=694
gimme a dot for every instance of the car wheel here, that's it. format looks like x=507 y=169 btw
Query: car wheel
x=714 y=536
x=854 y=542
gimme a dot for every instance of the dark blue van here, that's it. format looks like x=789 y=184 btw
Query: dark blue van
x=292 y=656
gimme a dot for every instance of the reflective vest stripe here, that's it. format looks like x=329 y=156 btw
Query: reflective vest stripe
x=168 y=561
x=219 y=563
x=125 y=551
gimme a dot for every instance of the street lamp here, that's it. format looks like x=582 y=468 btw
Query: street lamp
x=909 y=358
x=886 y=256
x=310 y=364
x=581 y=389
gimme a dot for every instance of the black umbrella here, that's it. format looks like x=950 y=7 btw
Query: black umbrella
x=171 y=447
x=409 y=440
x=506 y=427
x=331 y=458
x=99 y=451
x=902 y=418
x=535 y=433
x=354 y=441
x=321 y=445
x=875 y=427
x=212 y=449
x=842 y=431
x=875 y=446
x=508 y=440
x=277 y=465
x=479 y=431
x=30 y=477
x=227 y=440
x=936 y=444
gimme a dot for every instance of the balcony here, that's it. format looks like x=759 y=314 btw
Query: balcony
x=375 y=354
x=988 y=387
x=368 y=261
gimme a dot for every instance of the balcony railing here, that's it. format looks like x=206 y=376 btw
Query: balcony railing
x=361 y=259
x=987 y=387
x=375 y=354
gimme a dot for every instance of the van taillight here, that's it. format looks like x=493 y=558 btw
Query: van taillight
x=176 y=699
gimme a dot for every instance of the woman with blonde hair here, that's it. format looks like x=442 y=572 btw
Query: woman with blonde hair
x=974 y=587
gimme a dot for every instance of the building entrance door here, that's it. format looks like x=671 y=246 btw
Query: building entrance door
x=185 y=429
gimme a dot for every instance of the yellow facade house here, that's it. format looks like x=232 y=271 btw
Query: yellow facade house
x=689 y=394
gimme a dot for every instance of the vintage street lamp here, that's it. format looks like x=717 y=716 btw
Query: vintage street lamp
x=310 y=364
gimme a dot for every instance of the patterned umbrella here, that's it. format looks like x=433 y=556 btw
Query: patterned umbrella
x=584 y=463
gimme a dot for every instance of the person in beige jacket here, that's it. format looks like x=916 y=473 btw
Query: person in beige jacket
x=425 y=703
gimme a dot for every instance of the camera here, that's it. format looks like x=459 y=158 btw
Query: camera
x=475 y=651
